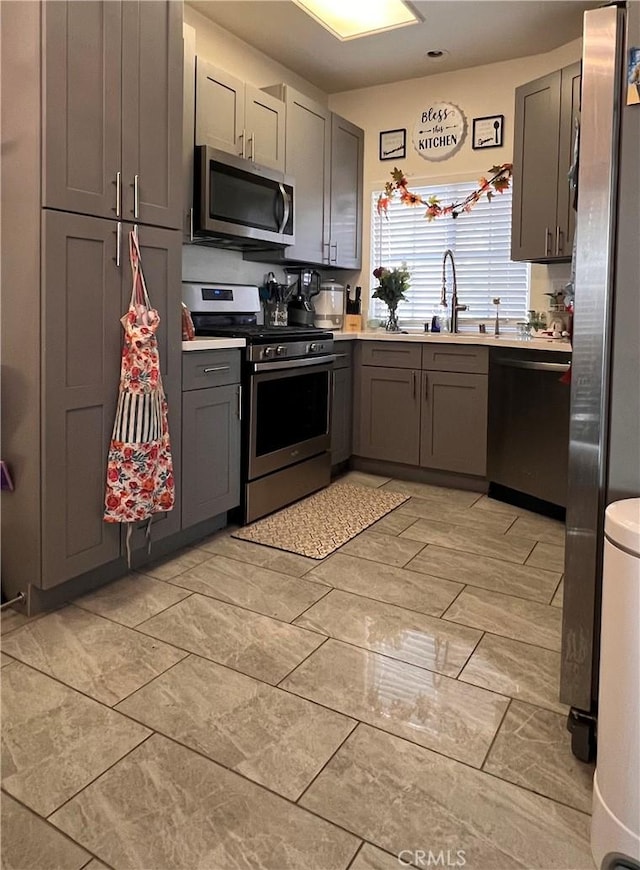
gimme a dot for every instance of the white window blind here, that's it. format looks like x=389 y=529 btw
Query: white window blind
x=480 y=240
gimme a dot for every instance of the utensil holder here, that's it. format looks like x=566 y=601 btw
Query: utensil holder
x=276 y=314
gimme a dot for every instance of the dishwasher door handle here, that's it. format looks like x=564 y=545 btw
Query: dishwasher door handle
x=535 y=366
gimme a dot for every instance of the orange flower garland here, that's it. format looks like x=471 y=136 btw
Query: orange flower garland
x=498 y=182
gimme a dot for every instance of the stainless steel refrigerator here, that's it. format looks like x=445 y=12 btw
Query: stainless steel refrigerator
x=604 y=451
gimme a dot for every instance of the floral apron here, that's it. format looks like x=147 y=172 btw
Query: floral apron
x=139 y=469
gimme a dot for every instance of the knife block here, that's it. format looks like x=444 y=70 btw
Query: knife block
x=352 y=323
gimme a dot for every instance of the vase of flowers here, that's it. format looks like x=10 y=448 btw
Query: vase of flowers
x=391 y=289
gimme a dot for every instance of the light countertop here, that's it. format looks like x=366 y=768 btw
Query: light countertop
x=200 y=343
x=507 y=340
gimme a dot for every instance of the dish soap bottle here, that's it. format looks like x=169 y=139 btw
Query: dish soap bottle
x=440 y=318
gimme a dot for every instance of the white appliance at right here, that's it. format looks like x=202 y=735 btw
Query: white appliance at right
x=604 y=432
x=615 y=823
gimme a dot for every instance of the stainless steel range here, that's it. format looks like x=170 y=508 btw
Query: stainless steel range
x=287 y=380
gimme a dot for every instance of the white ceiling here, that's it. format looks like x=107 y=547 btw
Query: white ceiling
x=473 y=32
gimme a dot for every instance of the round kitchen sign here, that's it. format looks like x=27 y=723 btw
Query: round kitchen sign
x=439 y=131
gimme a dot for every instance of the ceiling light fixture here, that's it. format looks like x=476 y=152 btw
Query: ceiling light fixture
x=350 y=19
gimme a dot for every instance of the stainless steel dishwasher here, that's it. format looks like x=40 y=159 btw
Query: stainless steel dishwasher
x=528 y=438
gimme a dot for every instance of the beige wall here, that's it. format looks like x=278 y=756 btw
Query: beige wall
x=220 y=47
x=480 y=91
x=228 y=52
x=486 y=90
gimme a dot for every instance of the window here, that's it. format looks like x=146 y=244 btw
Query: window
x=481 y=242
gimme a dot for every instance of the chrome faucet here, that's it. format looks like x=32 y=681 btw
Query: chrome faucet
x=455 y=308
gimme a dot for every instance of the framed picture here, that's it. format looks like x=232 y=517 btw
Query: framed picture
x=487 y=132
x=393 y=144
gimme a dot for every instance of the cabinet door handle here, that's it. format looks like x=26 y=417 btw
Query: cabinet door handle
x=239 y=402
x=118 y=243
x=413 y=383
x=547 y=242
x=243 y=137
x=559 y=248
x=335 y=258
x=215 y=369
x=136 y=196
x=327 y=245
x=252 y=140
x=118 y=184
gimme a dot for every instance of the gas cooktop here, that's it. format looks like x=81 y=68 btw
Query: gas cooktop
x=256 y=333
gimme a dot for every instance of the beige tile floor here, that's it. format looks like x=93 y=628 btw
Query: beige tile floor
x=241 y=707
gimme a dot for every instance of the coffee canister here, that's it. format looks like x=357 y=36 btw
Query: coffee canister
x=329 y=305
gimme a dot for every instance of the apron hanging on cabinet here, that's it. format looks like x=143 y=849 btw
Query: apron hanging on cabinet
x=139 y=468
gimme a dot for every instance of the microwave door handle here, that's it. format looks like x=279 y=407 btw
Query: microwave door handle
x=286 y=208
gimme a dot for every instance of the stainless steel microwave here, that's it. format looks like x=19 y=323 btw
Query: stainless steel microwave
x=238 y=204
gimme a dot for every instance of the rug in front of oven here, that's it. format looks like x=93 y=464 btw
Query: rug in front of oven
x=322 y=522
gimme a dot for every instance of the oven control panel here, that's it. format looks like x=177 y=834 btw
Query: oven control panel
x=289 y=350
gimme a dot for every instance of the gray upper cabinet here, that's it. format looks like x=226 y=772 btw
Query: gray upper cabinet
x=324 y=154
x=112 y=109
x=237 y=117
x=152 y=112
x=389 y=414
x=347 y=156
x=82 y=108
x=453 y=432
x=542 y=219
x=219 y=108
x=81 y=363
x=264 y=125
x=308 y=160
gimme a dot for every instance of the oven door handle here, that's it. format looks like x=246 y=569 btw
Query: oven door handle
x=293 y=363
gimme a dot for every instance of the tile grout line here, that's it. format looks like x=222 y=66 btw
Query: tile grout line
x=111 y=618
x=255 y=565
x=277 y=685
x=310 y=607
x=468 y=659
x=46 y=821
x=91 y=782
x=356 y=722
x=493 y=739
x=353 y=860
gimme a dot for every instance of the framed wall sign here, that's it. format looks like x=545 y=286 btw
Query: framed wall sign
x=487 y=132
x=439 y=131
x=393 y=144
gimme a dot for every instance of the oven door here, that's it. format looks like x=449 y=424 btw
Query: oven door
x=290 y=415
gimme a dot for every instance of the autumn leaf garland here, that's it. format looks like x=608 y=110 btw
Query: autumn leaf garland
x=497 y=182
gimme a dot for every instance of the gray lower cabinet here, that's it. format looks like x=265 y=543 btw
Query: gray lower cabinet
x=210 y=452
x=161 y=252
x=342 y=415
x=389 y=414
x=82 y=336
x=453 y=430
x=112 y=109
x=85 y=296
